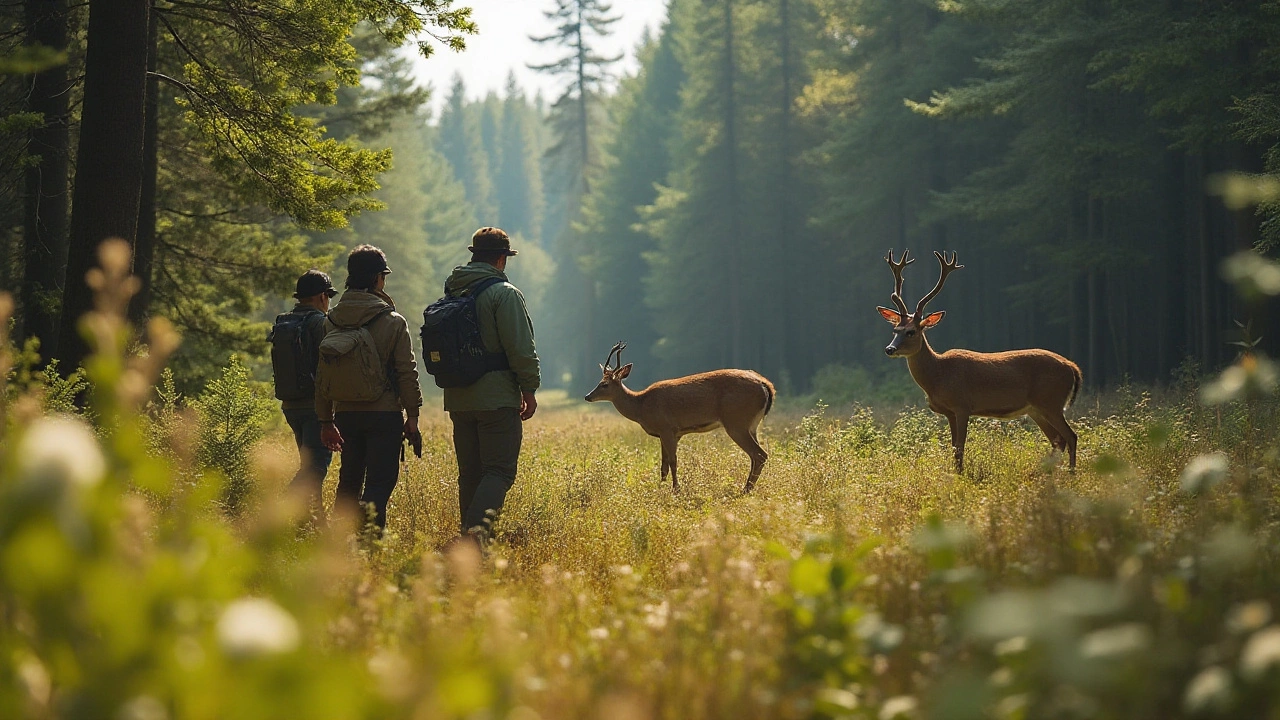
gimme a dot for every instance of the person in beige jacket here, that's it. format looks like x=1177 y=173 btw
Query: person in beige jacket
x=370 y=434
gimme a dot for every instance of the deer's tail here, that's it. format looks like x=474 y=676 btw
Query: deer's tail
x=1076 y=381
x=770 y=393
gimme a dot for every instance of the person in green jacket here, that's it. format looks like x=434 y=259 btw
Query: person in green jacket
x=487 y=415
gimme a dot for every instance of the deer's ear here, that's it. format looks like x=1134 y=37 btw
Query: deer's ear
x=892 y=316
x=623 y=372
x=932 y=319
x=602 y=368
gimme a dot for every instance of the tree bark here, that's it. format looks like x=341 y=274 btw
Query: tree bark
x=45 y=217
x=144 y=248
x=109 y=162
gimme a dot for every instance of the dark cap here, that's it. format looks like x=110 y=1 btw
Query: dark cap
x=314 y=282
x=492 y=239
x=366 y=261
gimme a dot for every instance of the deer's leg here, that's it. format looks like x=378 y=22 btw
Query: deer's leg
x=1059 y=423
x=1055 y=439
x=750 y=444
x=669 y=460
x=959 y=432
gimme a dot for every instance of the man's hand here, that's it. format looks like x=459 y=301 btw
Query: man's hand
x=412 y=434
x=528 y=405
x=330 y=437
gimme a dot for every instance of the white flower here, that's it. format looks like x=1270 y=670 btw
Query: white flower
x=898 y=707
x=143 y=707
x=256 y=626
x=598 y=633
x=1261 y=653
x=1208 y=691
x=1204 y=472
x=1115 y=641
x=61 y=451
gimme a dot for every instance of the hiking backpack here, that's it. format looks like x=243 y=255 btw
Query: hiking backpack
x=350 y=368
x=293 y=356
x=452 y=349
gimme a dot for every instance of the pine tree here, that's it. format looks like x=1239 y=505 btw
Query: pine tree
x=460 y=141
x=576 y=125
x=519 y=183
x=638 y=158
x=696 y=287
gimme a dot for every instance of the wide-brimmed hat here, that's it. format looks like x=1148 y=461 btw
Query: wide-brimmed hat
x=492 y=239
x=314 y=282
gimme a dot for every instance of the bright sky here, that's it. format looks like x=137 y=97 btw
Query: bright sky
x=503 y=45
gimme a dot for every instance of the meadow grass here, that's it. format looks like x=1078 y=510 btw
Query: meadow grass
x=604 y=593
x=152 y=565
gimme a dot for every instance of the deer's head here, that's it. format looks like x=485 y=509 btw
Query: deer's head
x=611 y=377
x=908 y=328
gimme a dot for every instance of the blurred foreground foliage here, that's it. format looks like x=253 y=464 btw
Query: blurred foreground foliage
x=861 y=580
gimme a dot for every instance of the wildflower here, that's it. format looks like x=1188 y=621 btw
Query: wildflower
x=143 y=707
x=902 y=706
x=62 y=452
x=256 y=626
x=1248 y=617
x=1208 y=691
x=1261 y=653
x=1204 y=472
x=598 y=633
x=1114 y=641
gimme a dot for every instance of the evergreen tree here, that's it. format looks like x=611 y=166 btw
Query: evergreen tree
x=638 y=157
x=519 y=182
x=697 y=287
x=461 y=143
x=576 y=124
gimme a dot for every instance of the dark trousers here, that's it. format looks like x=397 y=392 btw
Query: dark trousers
x=370 y=459
x=315 y=457
x=487 y=443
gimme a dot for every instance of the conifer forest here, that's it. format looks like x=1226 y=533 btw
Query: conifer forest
x=721 y=194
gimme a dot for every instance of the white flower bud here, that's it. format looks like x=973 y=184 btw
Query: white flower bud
x=62 y=451
x=256 y=626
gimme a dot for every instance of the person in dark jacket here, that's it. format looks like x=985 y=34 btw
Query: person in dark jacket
x=487 y=415
x=369 y=434
x=313 y=292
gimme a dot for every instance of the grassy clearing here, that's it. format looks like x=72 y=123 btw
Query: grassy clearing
x=151 y=566
x=605 y=590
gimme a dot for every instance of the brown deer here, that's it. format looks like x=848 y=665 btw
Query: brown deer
x=962 y=383
x=736 y=400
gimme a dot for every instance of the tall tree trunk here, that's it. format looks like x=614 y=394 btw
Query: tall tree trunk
x=144 y=248
x=731 y=179
x=45 y=221
x=109 y=162
x=584 y=148
x=786 y=349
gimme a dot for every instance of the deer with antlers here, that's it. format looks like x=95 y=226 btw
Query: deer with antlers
x=736 y=400
x=962 y=383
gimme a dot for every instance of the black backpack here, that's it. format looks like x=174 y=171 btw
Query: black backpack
x=452 y=350
x=293 y=356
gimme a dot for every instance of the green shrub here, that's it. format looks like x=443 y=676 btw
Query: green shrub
x=232 y=413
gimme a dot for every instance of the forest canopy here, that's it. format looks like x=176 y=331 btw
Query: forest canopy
x=726 y=204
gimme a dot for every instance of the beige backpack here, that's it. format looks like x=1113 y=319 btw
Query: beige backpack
x=350 y=369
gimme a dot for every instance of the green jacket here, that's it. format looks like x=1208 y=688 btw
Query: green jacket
x=504 y=327
x=390 y=333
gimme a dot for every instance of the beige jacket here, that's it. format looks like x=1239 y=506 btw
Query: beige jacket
x=395 y=346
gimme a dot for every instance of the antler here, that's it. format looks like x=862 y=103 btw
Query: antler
x=616 y=349
x=947 y=268
x=897 y=278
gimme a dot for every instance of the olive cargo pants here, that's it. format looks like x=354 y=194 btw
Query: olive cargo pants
x=487 y=443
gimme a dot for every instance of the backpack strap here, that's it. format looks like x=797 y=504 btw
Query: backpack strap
x=475 y=288
x=481 y=285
